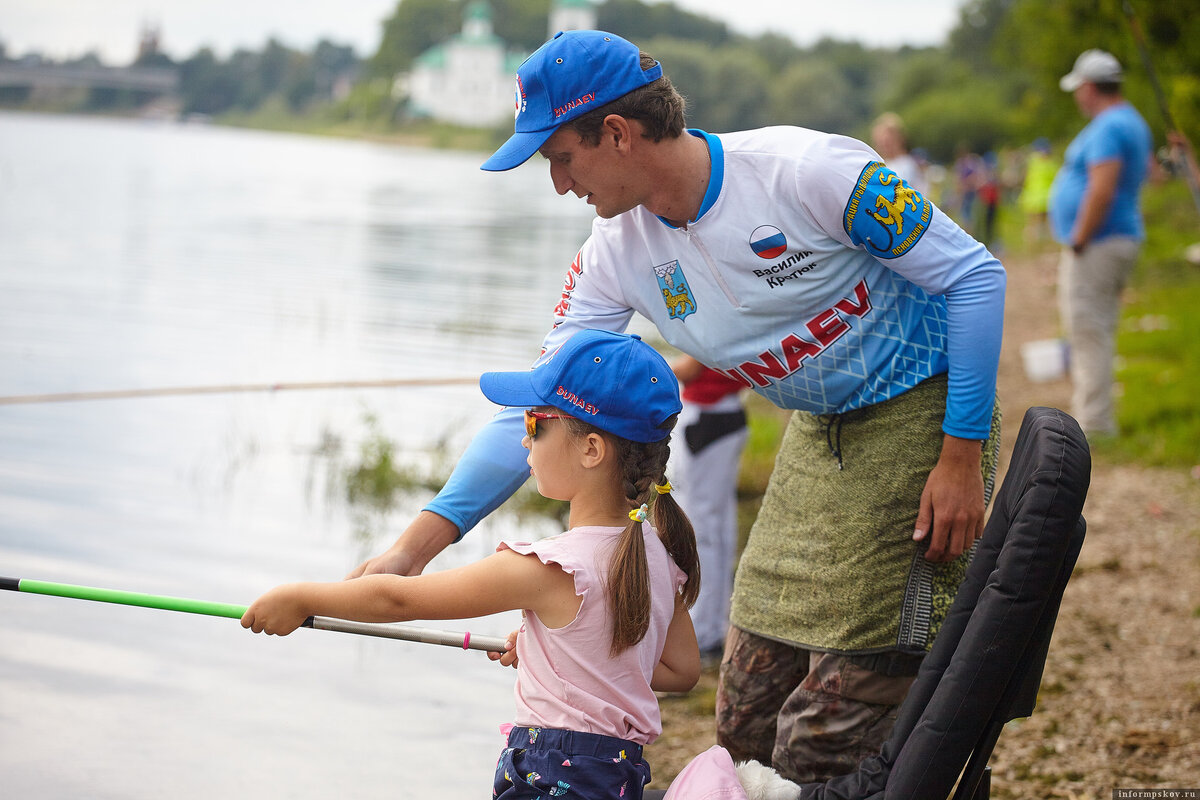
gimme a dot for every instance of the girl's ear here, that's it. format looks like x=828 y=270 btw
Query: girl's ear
x=593 y=450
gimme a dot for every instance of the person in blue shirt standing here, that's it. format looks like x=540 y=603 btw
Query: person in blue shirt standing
x=1095 y=214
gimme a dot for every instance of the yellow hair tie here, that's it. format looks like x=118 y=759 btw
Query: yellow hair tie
x=639 y=514
x=665 y=488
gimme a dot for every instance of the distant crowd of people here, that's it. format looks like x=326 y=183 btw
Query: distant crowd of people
x=973 y=187
x=1088 y=203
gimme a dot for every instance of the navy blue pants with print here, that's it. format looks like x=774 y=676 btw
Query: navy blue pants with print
x=547 y=762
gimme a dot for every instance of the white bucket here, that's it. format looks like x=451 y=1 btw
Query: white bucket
x=1045 y=359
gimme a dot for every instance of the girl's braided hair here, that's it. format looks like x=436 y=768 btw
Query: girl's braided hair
x=641 y=467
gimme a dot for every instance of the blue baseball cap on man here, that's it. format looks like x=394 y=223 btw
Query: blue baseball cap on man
x=614 y=381
x=573 y=73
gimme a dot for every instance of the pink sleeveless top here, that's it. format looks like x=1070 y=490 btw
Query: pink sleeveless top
x=565 y=676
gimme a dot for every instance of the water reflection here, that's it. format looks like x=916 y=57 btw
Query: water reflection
x=136 y=255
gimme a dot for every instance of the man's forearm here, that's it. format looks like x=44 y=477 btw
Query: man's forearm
x=492 y=468
x=427 y=535
x=965 y=452
x=1097 y=200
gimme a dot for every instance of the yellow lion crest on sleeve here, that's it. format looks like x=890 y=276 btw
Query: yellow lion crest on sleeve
x=884 y=214
x=905 y=198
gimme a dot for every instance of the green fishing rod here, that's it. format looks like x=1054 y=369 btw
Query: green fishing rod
x=463 y=639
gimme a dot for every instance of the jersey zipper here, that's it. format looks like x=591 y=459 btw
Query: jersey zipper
x=712 y=267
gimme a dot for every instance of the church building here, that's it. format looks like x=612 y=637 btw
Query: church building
x=468 y=79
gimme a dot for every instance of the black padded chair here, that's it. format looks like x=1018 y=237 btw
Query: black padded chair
x=986 y=665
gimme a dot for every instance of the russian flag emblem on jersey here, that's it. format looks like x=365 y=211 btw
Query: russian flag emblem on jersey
x=767 y=241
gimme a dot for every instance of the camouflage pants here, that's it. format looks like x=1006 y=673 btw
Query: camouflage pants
x=811 y=715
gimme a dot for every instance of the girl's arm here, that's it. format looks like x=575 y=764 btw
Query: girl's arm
x=504 y=581
x=679 y=667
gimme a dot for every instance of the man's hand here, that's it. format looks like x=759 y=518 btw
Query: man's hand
x=952 y=509
x=428 y=535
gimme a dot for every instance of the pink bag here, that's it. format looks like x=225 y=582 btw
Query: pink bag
x=708 y=776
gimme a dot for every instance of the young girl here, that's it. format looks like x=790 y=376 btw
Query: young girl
x=605 y=605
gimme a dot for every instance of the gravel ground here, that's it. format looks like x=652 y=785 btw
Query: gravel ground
x=1119 y=706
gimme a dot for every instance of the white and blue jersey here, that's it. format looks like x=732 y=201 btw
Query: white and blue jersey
x=812 y=274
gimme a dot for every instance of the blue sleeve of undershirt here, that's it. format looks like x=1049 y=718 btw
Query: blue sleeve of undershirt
x=491 y=469
x=975 y=323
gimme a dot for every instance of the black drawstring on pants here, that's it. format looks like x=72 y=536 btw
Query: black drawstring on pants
x=833 y=439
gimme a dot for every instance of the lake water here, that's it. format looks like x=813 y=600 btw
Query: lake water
x=142 y=255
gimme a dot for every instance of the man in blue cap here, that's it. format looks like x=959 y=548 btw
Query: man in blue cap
x=797 y=263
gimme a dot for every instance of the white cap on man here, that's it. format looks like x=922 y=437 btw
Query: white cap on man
x=1092 y=66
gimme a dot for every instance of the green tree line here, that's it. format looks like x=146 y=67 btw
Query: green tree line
x=992 y=83
x=301 y=82
x=247 y=80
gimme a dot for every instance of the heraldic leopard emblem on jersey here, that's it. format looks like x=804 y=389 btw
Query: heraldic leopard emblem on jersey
x=885 y=215
x=675 y=291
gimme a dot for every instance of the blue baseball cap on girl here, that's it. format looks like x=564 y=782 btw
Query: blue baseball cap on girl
x=573 y=73
x=614 y=381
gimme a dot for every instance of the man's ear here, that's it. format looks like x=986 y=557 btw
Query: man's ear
x=617 y=130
